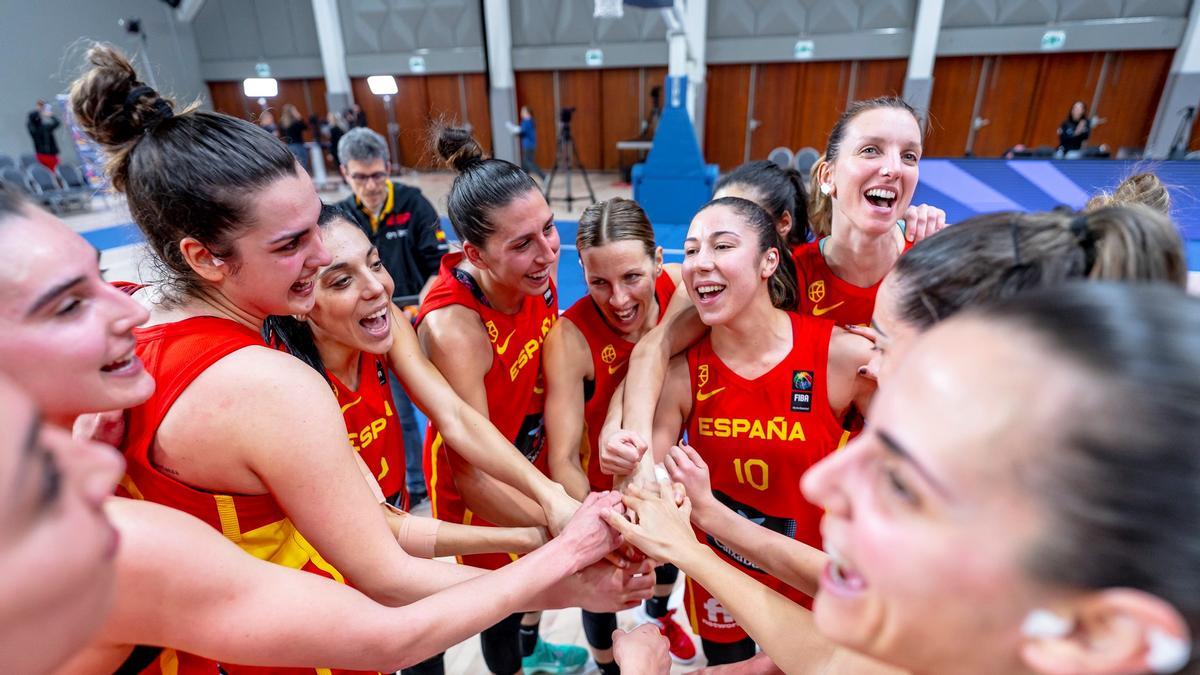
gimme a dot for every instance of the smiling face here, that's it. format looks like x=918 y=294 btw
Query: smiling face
x=56 y=545
x=928 y=517
x=723 y=270
x=523 y=249
x=67 y=334
x=620 y=278
x=875 y=172
x=354 y=293
x=277 y=255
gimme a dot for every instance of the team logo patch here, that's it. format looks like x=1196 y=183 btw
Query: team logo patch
x=608 y=354
x=801 y=395
x=379 y=372
x=548 y=296
x=702 y=375
x=493 y=332
x=816 y=290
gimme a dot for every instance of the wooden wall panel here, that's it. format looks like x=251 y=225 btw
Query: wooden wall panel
x=227 y=97
x=880 y=77
x=619 y=97
x=1064 y=78
x=580 y=89
x=776 y=95
x=371 y=104
x=1007 y=102
x=955 y=82
x=725 y=114
x=1130 y=98
x=535 y=88
x=412 y=114
x=823 y=89
x=479 y=112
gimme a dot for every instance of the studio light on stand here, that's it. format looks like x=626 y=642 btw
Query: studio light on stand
x=385 y=86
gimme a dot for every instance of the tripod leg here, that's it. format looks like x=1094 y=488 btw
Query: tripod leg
x=583 y=171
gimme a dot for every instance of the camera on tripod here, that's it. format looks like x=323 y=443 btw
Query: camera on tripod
x=564 y=115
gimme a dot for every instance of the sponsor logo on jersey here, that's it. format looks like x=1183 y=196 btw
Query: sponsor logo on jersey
x=822 y=311
x=548 y=296
x=716 y=615
x=397 y=220
x=816 y=291
x=802 y=386
x=608 y=354
x=778 y=524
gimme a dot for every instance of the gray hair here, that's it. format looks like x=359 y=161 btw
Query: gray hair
x=363 y=145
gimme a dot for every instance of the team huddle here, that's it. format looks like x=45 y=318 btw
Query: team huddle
x=871 y=443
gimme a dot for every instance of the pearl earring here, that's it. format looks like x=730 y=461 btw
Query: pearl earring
x=826 y=188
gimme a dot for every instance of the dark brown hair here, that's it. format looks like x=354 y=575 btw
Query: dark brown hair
x=482 y=185
x=998 y=255
x=617 y=219
x=779 y=191
x=782 y=284
x=186 y=174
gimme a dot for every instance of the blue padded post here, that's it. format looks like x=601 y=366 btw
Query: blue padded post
x=674 y=182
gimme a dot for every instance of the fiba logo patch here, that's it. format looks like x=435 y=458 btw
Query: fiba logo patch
x=493 y=332
x=816 y=291
x=802 y=385
x=608 y=354
x=702 y=375
x=380 y=373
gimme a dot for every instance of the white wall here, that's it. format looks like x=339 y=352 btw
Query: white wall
x=41 y=51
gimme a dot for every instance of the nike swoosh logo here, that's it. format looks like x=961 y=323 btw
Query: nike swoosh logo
x=613 y=369
x=701 y=396
x=817 y=311
x=501 y=348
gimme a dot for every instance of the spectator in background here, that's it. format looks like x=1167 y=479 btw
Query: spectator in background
x=527 y=132
x=1075 y=129
x=406 y=230
x=337 y=129
x=291 y=130
x=357 y=117
x=41 y=126
x=267 y=121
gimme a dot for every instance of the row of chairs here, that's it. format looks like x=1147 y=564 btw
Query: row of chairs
x=66 y=187
x=26 y=161
x=802 y=160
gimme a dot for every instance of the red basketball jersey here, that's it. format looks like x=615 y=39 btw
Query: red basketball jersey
x=175 y=354
x=610 y=361
x=513 y=384
x=824 y=294
x=758 y=437
x=372 y=426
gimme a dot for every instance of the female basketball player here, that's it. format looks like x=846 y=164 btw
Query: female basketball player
x=233 y=223
x=1027 y=547
x=761 y=397
x=68 y=337
x=482 y=324
x=587 y=353
x=351 y=338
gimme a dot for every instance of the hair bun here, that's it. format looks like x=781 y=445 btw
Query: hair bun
x=458 y=149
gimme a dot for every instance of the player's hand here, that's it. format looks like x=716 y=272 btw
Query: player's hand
x=603 y=587
x=663 y=530
x=587 y=537
x=923 y=221
x=620 y=452
x=642 y=651
x=688 y=470
x=104 y=427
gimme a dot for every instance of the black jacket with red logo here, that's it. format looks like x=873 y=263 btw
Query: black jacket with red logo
x=410 y=239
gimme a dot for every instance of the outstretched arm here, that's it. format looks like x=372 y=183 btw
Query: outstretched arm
x=181 y=584
x=448 y=386
x=566 y=362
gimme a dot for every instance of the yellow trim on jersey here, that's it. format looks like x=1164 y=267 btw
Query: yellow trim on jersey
x=168 y=662
x=127 y=483
x=842 y=443
x=433 y=475
x=692 y=615
x=227 y=512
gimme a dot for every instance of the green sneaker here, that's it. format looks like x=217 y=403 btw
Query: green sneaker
x=548 y=658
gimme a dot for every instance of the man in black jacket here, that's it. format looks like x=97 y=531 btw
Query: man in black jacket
x=41 y=126
x=406 y=229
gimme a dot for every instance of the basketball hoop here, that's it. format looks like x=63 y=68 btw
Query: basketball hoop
x=609 y=9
